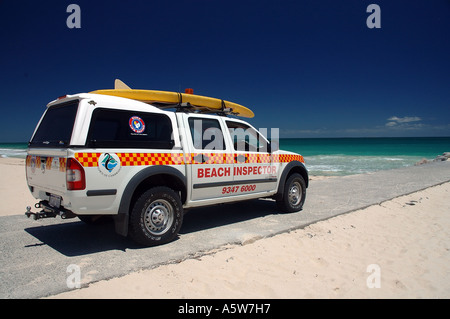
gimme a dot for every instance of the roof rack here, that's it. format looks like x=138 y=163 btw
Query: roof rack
x=189 y=108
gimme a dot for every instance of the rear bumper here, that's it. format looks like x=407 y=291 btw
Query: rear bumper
x=84 y=202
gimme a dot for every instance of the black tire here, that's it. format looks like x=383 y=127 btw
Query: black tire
x=294 y=194
x=156 y=217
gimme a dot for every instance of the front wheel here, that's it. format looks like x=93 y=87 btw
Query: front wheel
x=156 y=217
x=294 y=194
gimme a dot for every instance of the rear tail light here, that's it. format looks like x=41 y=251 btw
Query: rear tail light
x=75 y=177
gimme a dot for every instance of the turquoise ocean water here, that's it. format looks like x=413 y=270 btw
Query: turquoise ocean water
x=347 y=156
x=338 y=156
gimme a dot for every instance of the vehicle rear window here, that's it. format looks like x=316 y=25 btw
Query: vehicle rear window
x=55 y=129
x=128 y=129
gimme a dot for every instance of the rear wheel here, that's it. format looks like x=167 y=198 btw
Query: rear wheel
x=293 y=195
x=156 y=217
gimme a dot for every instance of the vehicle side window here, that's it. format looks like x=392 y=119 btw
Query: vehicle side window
x=245 y=138
x=127 y=129
x=206 y=133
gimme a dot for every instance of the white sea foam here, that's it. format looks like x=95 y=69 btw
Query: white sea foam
x=11 y=152
x=336 y=165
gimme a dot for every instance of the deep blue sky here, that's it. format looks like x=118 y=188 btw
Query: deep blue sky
x=311 y=68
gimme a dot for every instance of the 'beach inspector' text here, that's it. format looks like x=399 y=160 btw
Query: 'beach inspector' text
x=226 y=171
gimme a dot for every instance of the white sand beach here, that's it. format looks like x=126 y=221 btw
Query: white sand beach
x=398 y=249
x=14 y=192
x=402 y=244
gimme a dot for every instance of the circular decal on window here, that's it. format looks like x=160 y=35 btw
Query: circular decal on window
x=137 y=125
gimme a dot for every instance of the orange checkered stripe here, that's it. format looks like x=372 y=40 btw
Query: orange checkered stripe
x=62 y=164
x=88 y=159
x=48 y=164
x=28 y=161
x=146 y=159
x=286 y=158
x=134 y=159
x=267 y=158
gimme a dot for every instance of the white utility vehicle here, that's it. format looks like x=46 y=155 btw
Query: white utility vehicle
x=96 y=155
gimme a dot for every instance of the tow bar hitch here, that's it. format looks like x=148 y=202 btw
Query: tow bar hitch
x=39 y=215
x=48 y=211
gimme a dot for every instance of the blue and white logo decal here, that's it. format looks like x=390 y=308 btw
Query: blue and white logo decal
x=137 y=125
x=109 y=164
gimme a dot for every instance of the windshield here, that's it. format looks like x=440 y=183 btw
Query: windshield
x=56 y=127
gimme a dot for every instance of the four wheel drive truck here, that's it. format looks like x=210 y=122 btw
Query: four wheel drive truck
x=93 y=156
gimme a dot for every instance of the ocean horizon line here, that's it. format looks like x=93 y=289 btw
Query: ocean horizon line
x=317 y=137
